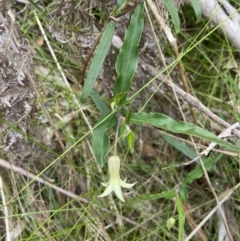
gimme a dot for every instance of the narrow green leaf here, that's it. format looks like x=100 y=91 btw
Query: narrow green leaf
x=197 y=172
x=197 y=8
x=181 y=219
x=118 y=97
x=173 y=12
x=183 y=192
x=98 y=59
x=100 y=140
x=181 y=146
x=100 y=104
x=148 y=197
x=131 y=139
x=127 y=61
x=167 y=123
x=123 y=130
x=101 y=145
x=125 y=102
x=128 y=116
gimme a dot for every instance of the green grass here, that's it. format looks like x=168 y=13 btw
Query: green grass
x=43 y=213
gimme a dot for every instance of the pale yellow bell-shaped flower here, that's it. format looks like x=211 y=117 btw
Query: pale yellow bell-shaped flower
x=115 y=182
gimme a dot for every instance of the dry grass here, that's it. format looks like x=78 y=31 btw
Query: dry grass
x=52 y=193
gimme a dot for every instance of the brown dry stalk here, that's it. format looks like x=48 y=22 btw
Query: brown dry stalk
x=174 y=46
x=222 y=198
x=62 y=73
x=191 y=100
x=102 y=235
x=5 y=211
x=201 y=235
x=25 y=173
x=46 y=111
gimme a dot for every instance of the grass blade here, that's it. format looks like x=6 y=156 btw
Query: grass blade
x=173 y=12
x=197 y=8
x=147 y=197
x=127 y=61
x=98 y=59
x=181 y=219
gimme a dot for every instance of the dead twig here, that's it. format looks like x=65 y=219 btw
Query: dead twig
x=201 y=235
x=191 y=100
x=94 y=227
x=173 y=43
x=178 y=90
x=222 y=198
x=223 y=15
x=61 y=71
x=46 y=111
x=5 y=211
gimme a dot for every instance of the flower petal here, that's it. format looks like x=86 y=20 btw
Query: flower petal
x=127 y=185
x=107 y=191
x=105 y=184
x=115 y=183
x=117 y=189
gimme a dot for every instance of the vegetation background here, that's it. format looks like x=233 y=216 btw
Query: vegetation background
x=188 y=70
